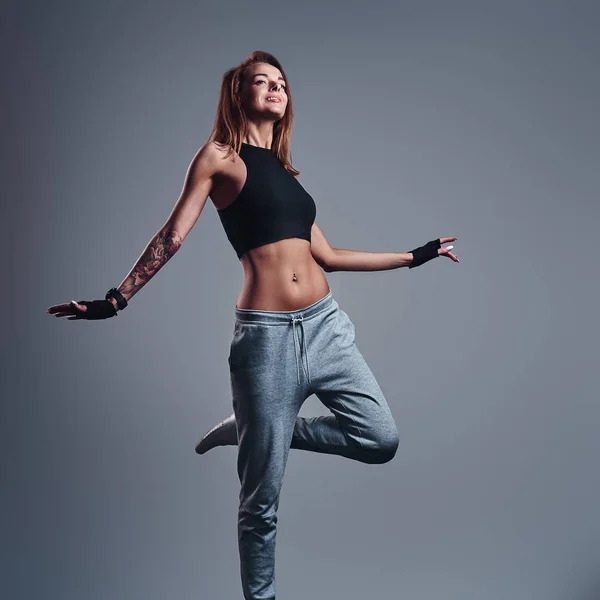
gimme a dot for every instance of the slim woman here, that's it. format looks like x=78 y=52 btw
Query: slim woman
x=290 y=339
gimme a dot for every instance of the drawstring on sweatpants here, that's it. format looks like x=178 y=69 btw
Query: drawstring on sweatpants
x=302 y=345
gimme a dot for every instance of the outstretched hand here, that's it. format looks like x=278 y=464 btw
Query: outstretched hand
x=445 y=250
x=91 y=311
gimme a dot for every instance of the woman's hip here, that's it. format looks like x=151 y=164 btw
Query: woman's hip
x=275 y=344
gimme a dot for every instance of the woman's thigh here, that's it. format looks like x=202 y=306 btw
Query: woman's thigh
x=344 y=382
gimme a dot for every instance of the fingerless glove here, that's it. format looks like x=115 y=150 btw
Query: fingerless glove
x=422 y=254
x=96 y=309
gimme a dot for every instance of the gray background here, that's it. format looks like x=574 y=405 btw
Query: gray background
x=414 y=120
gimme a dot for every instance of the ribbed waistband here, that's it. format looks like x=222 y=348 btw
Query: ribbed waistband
x=283 y=317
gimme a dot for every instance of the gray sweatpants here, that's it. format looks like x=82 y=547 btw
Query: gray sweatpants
x=277 y=360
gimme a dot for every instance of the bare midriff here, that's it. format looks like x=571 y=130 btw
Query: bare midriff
x=281 y=276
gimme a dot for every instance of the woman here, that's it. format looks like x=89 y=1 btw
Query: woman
x=290 y=339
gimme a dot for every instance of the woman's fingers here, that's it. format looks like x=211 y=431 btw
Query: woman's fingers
x=445 y=240
x=69 y=312
x=60 y=307
x=70 y=308
x=445 y=251
x=63 y=309
x=57 y=308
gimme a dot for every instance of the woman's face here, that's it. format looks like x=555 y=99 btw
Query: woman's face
x=264 y=92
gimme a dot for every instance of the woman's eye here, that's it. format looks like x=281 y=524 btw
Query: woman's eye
x=263 y=81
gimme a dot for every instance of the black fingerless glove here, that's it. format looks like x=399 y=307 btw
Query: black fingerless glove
x=422 y=254
x=96 y=309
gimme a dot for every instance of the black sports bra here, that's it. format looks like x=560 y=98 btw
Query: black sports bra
x=271 y=206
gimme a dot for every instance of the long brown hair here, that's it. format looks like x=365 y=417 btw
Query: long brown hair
x=231 y=124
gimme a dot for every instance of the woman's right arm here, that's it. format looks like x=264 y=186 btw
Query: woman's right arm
x=198 y=184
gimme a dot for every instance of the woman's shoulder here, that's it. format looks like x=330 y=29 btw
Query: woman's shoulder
x=213 y=151
x=214 y=156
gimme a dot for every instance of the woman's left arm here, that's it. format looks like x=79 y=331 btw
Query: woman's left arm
x=359 y=260
x=338 y=259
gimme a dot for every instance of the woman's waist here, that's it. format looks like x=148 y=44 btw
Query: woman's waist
x=283 y=289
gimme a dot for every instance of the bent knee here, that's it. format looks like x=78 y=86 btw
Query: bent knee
x=390 y=445
x=387 y=446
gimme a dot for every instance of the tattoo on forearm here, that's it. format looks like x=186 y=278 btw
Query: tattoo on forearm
x=162 y=247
